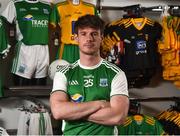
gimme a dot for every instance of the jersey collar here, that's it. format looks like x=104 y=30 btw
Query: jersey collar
x=92 y=67
x=32 y=1
x=69 y=1
x=142 y=21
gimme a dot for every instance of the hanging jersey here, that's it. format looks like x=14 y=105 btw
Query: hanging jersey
x=65 y=14
x=140 y=125
x=140 y=43
x=4 y=45
x=85 y=84
x=31 y=20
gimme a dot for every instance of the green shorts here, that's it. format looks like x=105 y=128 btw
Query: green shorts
x=70 y=53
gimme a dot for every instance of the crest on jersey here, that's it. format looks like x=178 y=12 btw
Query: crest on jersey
x=103 y=82
x=77 y=98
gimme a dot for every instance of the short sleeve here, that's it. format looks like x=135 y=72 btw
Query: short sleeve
x=10 y=12
x=59 y=82
x=54 y=16
x=119 y=85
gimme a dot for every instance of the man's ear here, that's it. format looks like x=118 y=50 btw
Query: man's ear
x=102 y=36
x=76 y=37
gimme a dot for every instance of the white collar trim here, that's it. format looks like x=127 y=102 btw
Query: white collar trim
x=92 y=67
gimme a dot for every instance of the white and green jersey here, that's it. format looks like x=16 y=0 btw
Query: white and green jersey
x=31 y=18
x=4 y=44
x=83 y=84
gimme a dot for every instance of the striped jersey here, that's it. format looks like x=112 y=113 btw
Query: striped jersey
x=31 y=18
x=139 y=36
x=83 y=84
x=141 y=125
x=65 y=14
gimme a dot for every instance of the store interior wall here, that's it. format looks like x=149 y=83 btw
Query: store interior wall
x=9 y=114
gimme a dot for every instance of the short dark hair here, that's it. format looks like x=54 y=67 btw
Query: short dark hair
x=91 y=21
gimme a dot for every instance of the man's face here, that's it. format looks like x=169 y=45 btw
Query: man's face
x=89 y=40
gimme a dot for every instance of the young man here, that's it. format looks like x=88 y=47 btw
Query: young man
x=91 y=94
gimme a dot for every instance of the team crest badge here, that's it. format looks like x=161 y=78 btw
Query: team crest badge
x=103 y=82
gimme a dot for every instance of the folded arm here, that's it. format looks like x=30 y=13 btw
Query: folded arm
x=63 y=109
x=113 y=115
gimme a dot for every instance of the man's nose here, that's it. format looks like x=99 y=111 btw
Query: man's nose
x=90 y=37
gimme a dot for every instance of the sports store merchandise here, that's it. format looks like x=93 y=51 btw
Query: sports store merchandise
x=140 y=125
x=4 y=44
x=155 y=115
x=132 y=42
x=4 y=47
x=65 y=14
x=31 y=18
x=169 y=47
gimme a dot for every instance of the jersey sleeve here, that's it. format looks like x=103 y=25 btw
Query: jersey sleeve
x=54 y=17
x=10 y=12
x=60 y=82
x=119 y=85
x=4 y=42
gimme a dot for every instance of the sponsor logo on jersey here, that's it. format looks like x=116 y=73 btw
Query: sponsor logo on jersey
x=140 y=47
x=103 y=82
x=73 y=82
x=36 y=23
x=28 y=17
x=39 y=23
x=77 y=98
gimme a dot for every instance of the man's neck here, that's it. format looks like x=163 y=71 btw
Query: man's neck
x=88 y=60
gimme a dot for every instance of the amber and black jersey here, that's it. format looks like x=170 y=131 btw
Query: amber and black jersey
x=139 y=37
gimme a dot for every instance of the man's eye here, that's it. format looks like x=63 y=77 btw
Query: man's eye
x=83 y=34
x=95 y=34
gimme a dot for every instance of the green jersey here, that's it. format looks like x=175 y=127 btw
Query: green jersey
x=31 y=20
x=83 y=84
x=145 y=126
x=4 y=46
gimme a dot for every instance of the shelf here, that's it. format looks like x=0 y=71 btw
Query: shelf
x=38 y=91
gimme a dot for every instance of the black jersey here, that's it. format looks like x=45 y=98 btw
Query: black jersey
x=140 y=43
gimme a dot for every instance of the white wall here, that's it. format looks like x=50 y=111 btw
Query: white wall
x=9 y=114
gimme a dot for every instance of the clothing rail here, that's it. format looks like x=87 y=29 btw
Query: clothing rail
x=158 y=8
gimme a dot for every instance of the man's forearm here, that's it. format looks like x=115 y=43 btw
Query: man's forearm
x=113 y=115
x=72 y=111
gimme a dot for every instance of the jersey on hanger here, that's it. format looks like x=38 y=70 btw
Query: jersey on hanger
x=31 y=20
x=65 y=14
x=4 y=45
x=140 y=43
